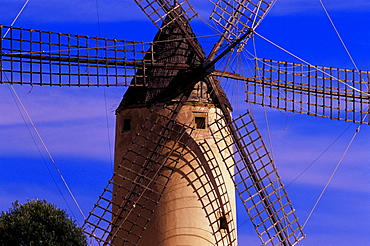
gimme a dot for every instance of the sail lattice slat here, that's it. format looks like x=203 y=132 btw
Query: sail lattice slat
x=47 y=58
x=124 y=209
x=164 y=12
x=320 y=91
x=258 y=184
x=237 y=16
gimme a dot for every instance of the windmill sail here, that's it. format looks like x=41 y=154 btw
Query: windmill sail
x=257 y=182
x=235 y=17
x=314 y=90
x=47 y=58
x=164 y=12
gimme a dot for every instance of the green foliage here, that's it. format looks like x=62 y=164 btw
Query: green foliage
x=39 y=223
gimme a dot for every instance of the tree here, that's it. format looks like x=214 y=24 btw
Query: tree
x=39 y=223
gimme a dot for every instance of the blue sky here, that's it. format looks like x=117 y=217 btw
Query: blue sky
x=77 y=124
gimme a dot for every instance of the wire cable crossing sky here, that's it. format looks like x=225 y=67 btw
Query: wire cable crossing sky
x=72 y=120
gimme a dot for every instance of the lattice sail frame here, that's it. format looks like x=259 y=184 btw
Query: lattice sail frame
x=160 y=10
x=218 y=204
x=141 y=170
x=314 y=90
x=237 y=16
x=48 y=58
x=281 y=227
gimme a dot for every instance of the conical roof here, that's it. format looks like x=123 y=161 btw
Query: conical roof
x=163 y=84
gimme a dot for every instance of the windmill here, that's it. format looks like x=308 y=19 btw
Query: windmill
x=74 y=60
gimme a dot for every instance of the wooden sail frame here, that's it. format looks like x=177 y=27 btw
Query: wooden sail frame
x=37 y=57
x=327 y=92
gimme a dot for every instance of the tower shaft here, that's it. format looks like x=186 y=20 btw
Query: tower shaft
x=191 y=200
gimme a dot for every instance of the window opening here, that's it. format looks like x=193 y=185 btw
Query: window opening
x=126 y=125
x=223 y=223
x=200 y=122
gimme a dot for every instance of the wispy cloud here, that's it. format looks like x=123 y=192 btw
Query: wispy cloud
x=23 y=192
x=70 y=124
x=82 y=11
x=301 y=142
x=288 y=7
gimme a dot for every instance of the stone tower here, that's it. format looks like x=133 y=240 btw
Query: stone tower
x=185 y=199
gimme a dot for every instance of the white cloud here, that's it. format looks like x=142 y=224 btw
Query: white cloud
x=288 y=7
x=24 y=192
x=82 y=11
x=299 y=141
x=71 y=121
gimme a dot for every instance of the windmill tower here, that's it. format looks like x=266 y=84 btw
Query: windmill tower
x=179 y=154
x=180 y=217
